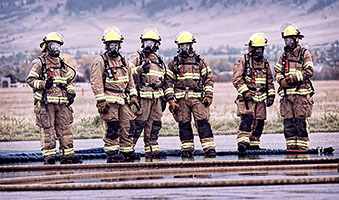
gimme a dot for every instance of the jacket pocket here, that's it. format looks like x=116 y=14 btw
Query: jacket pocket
x=42 y=117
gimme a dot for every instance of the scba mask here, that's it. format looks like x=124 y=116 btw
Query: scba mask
x=258 y=53
x=290 y=43
x=113 y=49
x=148 y=46
x=54 y=49
x=184 y=50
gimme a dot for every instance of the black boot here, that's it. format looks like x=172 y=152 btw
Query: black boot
x=186 y=154
x=211 y=153
x=72 y=160
x=131 y=156
x=242 y=147
x=49 y=160
x=114 y=156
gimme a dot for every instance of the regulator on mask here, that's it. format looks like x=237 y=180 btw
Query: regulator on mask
x=113 y=49
x=184 y=50
x=54 y=49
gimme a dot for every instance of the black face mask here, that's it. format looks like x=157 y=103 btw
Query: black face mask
x=113 y=53
x=53 y=49
x=147 y=50
x=184 y=52
x=290 y=45
x=258 y=56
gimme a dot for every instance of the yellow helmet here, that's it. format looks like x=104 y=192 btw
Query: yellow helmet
x=112 y=34
x=289 y=29
x=151 y=33
x=184 y=37
x=52 y=36
x=258 y=40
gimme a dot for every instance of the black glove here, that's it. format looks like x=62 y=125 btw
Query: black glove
x=49 y=83
x=145 y=68
x=270 y=101
x=70 y=98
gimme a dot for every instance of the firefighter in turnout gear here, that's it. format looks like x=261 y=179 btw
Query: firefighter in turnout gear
x=148 y=72
x=52 y=82
x=189 y=90
x=293 y=72
x=252 y=77
x=114 y=90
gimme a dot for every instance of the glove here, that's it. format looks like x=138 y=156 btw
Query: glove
x=284 y=83
x=102 y=107
x=49 y=83
x=247 y=96
x=134 y=100
x=70 y=98
x=270 y=101
x=207 y=101
x=145 y=68
x=173 y=106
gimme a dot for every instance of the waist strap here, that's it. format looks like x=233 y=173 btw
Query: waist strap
x=117 y=91
x=195 y=89
x=257 y=89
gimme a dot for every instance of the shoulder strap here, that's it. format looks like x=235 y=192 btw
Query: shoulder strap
x=247 y=70
x=123 y=60
x=44 y=74
x=104 y=57
x=303 y=50
x=141 y=57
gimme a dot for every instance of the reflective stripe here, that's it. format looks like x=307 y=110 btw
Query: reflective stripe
x=278 y=67
x=61 y=80
x=247 y=78
x=169 y=90
x=206 y=70
x=308 y=64
x=154 y=73
x=170 y=73
x=243 y=88
x=132 y=65
x=52 y=99
x=100 y=97
x=112 y=148
x=208 y=89
x=190 y=94
x=259 y=98
x=271 y=92
x=33 y=74
x=293 y=91
x=291 y=142
x=279 y=77
x=37 y=84
x=133 y=92
x=66 y=152
x=187 y=145
x=260 y=80
x=292 y=71
x=254 y=143
x=243 y=140
x=299 y=76
x=154 y=94
x=147 y=149
x=205 y=145
x=126 y=149
x=69 y=87
x=189 y=76
x=120 y=79
x=303 y=143
x=114 y=99
x=134 y=71
x=155 y=148
x=37 y=96
x=69 y=75
x=49 y=152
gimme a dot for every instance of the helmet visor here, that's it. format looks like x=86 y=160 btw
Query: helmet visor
x=54 y=46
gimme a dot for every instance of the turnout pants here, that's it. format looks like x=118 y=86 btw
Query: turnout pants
x=201 y=114
x=251 y=123
x=148 y=119
x=119 y=121
x=295 y=109
x=55 y=121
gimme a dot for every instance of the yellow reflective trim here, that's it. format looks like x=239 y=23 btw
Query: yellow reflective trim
x=170 y=73
x=187 y=145
x=243 y=88
x=33 y=74
x=135 y=71
x=120 y=79
x=70 y=87
x=49 y=152
x=260 y=80
x=37 y=96
x=169 y=90
x=67 y=151
x=206 y=70
x=112 y=148
x=299 y=76
x=208 y=144
x=150 y=94
x=278 y=67
x=254 y=143
x=271 y=92
x=189 y=76
x=115 y=99
x=154 y=73
x=132 y=65
x=208 y=89
x=53 y=99
x=278 y=77
x=69 y=75
x=293 y=91
x=37 y=84
x=126 y=149
x=308 y=64
x=99 y=97
x=243 y=139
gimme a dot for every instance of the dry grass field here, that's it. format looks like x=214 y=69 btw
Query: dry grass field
x=17 y=120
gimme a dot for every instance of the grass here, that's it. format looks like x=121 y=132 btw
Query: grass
x=17 y=120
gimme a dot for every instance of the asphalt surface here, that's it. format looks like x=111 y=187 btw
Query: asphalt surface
x=271 y=141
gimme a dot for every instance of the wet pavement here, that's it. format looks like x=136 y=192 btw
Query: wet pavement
x=271 y=141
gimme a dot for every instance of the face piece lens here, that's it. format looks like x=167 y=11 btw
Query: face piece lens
x=290 y=43
x=54 y=49
x=149 y=44
x=184 y=50
x=258 y=53
x=113 y=49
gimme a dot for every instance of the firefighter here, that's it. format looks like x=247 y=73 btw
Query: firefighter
x=52 y=82
x=252 y=78
x=148 y=72
x=189 y=90
x=293 y=72
x=114 y=90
